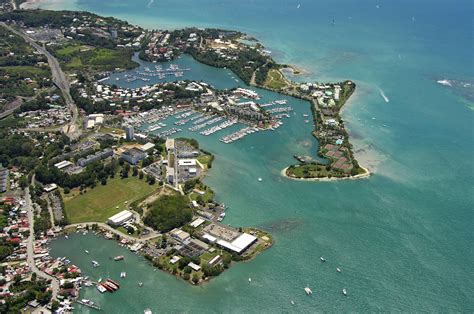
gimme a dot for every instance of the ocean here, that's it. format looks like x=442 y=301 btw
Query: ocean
x=403 y=238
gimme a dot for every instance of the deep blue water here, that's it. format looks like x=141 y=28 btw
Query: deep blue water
x=403 y=237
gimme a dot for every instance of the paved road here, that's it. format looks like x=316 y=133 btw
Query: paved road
x=59 y=79
x=102 y=225
x=30 y=248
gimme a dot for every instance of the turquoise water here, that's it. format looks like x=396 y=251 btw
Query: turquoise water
x=218 y=78
x=403 y=237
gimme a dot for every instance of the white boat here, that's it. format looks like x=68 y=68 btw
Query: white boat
x=250 y=279
x=87 y=252
x=322 y=259
x=344 y=291
x=147 y=311
x=95 y=264
x=338 y=270
x=292 y=302
x=123 y=274
x=140 y=284
x=101 y=289
x=260 y=179
x=308 y=291
x=66 y=236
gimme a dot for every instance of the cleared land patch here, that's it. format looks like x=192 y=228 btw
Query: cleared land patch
x=101 y=202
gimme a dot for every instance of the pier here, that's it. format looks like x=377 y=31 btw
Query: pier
x=89 y=304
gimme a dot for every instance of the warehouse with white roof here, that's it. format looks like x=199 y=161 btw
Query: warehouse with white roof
x=240 y=244
x=120 y=218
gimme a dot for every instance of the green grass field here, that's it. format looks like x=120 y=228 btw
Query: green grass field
x=25 y=71
x=70 y=50
x=101 y=202
x=100 y=59
x=275 y=80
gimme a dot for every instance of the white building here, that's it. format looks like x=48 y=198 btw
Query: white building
x=239 y=244
x=120 y=218
x=63 y=164
x=187 y=162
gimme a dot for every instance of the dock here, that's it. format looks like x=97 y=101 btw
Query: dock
x=91 y=305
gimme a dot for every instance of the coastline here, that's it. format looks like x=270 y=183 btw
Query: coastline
x=364 y=175
x=27 y=5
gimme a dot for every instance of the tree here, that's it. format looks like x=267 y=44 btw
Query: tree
x=134 y=171
x=124 y=173
x=23 y=182
x=195 y=278
x=226 y=260
x=103 y=181
x=140 y=175
x=67 y=190
x=54 y=305
x=169 y=212
x=183 y=263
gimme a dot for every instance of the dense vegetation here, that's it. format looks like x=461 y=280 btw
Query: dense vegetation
x=19 y=70
x=18 y=150
x=248 y=61
x=6 y=248
x=28 y=291
x=169 y=212
x=100 y=57
x=89 y=177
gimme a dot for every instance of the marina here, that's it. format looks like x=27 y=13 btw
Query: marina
x=221 y=126
x=240 y=134
x=173 y=70
x=206 y=123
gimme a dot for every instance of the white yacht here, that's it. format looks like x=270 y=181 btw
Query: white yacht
x=344 y=291
x=308 y=291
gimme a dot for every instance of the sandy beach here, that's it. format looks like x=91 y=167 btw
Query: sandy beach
x=29 y=4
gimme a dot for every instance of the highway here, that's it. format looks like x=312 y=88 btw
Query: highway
x=59 y=79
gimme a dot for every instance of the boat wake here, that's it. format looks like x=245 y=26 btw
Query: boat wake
x=463 y=88
x=445 y=82
x=150 y=3
x=383 y=95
